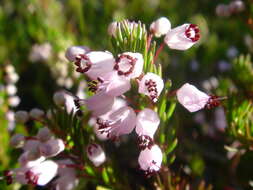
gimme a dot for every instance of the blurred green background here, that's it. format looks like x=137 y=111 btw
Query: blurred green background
x=36 y=33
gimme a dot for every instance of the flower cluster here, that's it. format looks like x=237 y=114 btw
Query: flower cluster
x=36 y=168
x=234 y=7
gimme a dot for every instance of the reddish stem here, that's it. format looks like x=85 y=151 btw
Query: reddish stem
x=158 y=52
x=150 y=36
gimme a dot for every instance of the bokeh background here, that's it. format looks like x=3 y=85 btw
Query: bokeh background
x=34 y=35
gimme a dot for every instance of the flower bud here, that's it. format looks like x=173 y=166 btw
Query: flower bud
x=236 y=6
x=52 y=147
x=17 y=140
x=13 y=101
x=150 y=160
x=59 y=98
x=112 y=28
x=44 y=134
x=147 y=122
x=36 y=113
x=74 y=51
x=11 y=89
x=11 y=78
x=222 y=10
x=21 y=116
x=160 y=27
x=95 y=154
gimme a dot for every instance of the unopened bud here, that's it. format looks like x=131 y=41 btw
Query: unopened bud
x=222 y=10
x=59 y=98
x=21 y=116
x=52 y=147
x=74 y=51
x=112 y=28
x=236 y=6
x=36 y=113
x=96 y=154
x=44 y=134
x=160 y=27
x=17 y=141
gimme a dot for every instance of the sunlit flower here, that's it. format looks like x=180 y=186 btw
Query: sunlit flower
x=42 y=173
x=193 y=99
x=95 y=154
x=129 y=64
x=160 y=27
x=151 y=85
x=51 y=148
x=95 y=63
x=75 y=51
x=119 y=123
x=182 y=37
x=150 y=160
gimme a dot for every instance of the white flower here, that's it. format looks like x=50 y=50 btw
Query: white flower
x=95 y=154
x=222 y=10
x=129 y=64
x=95 y=63
x=100 y=103
x=30 y=159
x=151 y=85
x=40 y=52
x=14 y=101
x=147 y=122
x=36 y=113
x=74 y=51
x=113 y=84
x=21 y=116
x=160 y=27
x=11 y=89
x=119 y=123
x=52 y=147
x=150 y=160
x=182 y=37
x=118 y=103
x=192 y=98
x=42 y=173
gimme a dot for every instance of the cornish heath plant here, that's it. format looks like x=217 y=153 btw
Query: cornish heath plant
x=125 y=101
x=126 y=98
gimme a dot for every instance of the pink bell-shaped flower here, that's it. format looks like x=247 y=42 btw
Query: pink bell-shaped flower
x=182 y=37
x=151 y=85
x=42 y=173
x=119 y=123
x=51 y=147
x=113 y=84
x=150 y=160
x=74 y=51
x=192 y=98
x=160 y=26
x=96 y=154
x=99 y=103
x=147 y=122
x=118 y=103
x=95 y=63
x=129 y=64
